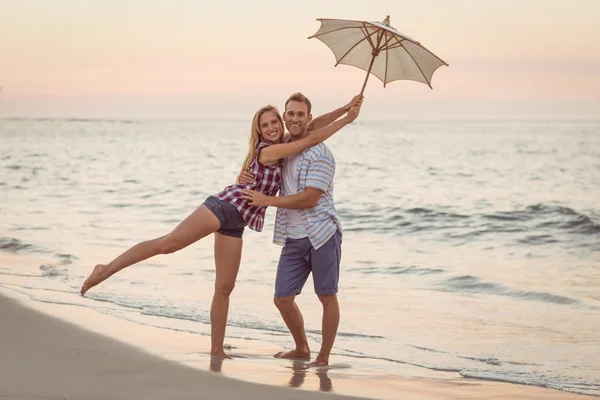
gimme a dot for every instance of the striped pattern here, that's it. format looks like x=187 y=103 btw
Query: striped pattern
x=316 y=169
x=266 y=180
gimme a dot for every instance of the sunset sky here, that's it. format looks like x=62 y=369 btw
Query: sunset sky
x=200 y=59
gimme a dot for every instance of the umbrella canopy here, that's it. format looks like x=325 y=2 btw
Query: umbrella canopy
x=379 y=49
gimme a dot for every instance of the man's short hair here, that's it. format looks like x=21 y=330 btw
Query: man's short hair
x=300 y=98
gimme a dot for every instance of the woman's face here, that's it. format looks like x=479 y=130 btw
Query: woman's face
x=269 y=126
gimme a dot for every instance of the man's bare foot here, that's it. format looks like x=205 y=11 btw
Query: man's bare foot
x=295 y=354
x=319 y=362
x=98 y=275
x=220 y=354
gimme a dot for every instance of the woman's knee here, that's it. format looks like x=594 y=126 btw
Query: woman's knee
x=168 y=245
x=224 y=288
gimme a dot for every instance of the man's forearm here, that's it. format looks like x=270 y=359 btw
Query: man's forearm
x=294 y=202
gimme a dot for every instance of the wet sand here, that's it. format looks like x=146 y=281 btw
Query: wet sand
x=48 y=358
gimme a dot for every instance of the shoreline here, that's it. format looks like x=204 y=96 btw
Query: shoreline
x=67 y=360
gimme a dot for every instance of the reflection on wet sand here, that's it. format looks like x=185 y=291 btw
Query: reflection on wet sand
x=299 y=372
x=216 y=363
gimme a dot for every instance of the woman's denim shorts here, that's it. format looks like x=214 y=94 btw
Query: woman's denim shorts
x=232 y=223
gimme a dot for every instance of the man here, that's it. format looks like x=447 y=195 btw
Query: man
x=308 y=228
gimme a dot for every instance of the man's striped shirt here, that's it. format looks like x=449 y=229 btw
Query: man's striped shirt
x=316 y=169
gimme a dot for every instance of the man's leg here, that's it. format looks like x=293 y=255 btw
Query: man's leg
x=292 y=272
x=290 y=312
x=331 y=321
x=325 y=265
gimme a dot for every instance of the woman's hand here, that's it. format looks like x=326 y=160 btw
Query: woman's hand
x=352 y=114
x=356 y=101
x=245 y=178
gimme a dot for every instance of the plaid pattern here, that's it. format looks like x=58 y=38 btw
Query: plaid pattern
x=266 y=180
x=315 y=169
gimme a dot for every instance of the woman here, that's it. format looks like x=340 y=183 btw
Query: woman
x=226 y=214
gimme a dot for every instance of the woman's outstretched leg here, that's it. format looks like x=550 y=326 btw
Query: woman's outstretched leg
x=228 y=254
x=197 y=225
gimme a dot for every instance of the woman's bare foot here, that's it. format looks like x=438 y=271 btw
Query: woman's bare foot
x=295 y=354
x=98 y=275
x=220 y=354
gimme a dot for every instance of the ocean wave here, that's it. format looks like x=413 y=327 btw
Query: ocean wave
x=562 y=383
x=538 y=239
x=52 y=271
x=20 y=275
x=495 y=361
x=193 y=315
x=534 y=225
x=360 y=355
x=581 y=224
x=502 y=371
x=469 y=283
x=426 y=349
x=149 y=195
x=48 y=119
x=190 y=313
x=251 y=324
x=66 y=258
x=430 y=213
x=472 y=284
x=122 y=205
x=551 y=217
x=13 y=245
x=30 y=228
x=396 y=270
x=542 y=296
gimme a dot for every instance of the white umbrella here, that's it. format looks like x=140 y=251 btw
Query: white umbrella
x=378 y=48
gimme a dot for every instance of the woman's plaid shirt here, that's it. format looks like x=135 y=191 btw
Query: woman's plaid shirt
x=266 y=180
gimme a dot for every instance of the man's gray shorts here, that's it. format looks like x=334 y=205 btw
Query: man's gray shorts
x=298 y=259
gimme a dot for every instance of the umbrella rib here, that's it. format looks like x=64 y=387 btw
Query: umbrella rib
x=336 y=19
x=335 y=30
x=429 y=51
x=418 y=66
x=395 y=46
x=386 y=60
x=396 y=33
x=368 y=35
x=351 y=48
x=385 y=45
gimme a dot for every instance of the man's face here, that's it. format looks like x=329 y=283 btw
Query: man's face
x=296 y=118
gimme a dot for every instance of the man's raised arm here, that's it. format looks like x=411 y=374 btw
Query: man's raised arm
x=326 y=119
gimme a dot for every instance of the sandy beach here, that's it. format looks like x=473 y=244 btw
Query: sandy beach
x=45 y=358
x=49 y=358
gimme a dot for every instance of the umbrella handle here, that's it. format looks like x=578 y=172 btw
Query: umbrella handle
x=368 y=73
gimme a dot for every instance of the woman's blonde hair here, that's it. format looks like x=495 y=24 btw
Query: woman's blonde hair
x=255 y=133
